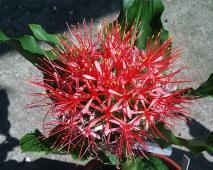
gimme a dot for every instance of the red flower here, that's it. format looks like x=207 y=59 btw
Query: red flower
x=107 y=93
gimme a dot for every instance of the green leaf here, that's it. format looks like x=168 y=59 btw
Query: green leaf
x=145 y=14
x=107 y=158
x=33 y=142
x=206 y=89
x=36 y=142
x=28 y=47
x=42 y=35
x=29 y=43
x=153 y=163
x=195 y=145
x=113 y=159
x=3 y=37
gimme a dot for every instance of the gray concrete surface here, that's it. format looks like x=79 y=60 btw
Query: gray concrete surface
x=189 y=21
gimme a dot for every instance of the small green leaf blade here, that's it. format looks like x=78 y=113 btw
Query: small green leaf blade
x=32 y=142
x=3 y=37
x=42 y=35
x=36 y=142
x=29 y=43
x=153 y=163
x=206 y=89
x=107 y=157
x=112 y=159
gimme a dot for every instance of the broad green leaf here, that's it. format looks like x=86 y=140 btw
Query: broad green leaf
x=195 y=145
x=29 y=43
x=107 y=157
x=28 y=47
x=153 y=163
x=36 y=142
x=206 y=89
x=145 y=14
x=3 y=37
x=113 y=159
x=42 y=35
x=131 y=164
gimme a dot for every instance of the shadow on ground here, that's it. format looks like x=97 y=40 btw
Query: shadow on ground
x=15 y=15
x=40 y=164
x=9 y=142
x=196 y=162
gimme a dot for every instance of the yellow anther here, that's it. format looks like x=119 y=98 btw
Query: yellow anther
x=118 y=52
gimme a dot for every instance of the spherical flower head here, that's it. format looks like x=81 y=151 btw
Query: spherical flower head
x=108 y=94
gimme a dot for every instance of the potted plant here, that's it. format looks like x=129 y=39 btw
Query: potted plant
x=112 y=97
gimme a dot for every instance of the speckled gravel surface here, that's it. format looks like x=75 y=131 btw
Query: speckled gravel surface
x=190 y=23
